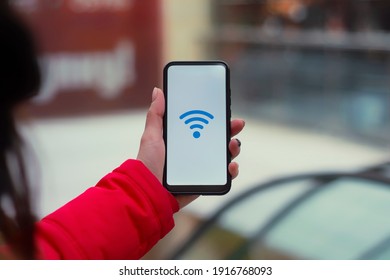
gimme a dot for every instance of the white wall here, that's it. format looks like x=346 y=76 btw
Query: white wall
x=186 y=22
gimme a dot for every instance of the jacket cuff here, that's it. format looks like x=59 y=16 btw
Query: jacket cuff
x=155 y=191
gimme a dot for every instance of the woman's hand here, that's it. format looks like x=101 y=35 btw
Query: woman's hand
x=152 y=147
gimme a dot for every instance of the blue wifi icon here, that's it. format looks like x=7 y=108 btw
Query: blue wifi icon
x=197 y=120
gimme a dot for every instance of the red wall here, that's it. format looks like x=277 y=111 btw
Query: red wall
x=96 y=55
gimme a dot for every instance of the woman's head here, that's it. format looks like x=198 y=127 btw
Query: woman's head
x=19 y=80
x=19 y=73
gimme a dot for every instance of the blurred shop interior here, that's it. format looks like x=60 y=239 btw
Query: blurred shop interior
x=310 y=77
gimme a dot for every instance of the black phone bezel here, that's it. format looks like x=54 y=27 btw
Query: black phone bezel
x=199 y=189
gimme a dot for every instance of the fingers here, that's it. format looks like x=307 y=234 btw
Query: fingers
x=236 y=126
x=233 y=169
x=234 y=148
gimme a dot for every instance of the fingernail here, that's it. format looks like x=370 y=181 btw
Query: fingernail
x=154 y=94
x=238 y=142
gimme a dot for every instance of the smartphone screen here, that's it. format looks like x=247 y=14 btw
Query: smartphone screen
x=197 y=127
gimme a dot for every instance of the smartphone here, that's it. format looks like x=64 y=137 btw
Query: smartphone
x=197 y=127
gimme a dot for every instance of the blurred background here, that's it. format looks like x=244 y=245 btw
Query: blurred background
x=310 y=77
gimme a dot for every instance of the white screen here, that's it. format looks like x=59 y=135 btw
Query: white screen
x=196 y=156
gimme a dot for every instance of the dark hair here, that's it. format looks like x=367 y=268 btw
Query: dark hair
x=19 y=80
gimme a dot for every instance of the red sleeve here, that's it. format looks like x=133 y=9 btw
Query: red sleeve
x=122 y=217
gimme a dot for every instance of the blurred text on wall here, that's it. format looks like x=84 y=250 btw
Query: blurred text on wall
x=95 y=56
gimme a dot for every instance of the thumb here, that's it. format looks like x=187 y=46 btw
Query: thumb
x=152 y=148
x=154 y=118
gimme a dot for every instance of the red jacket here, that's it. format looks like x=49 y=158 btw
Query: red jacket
x=122 y=217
